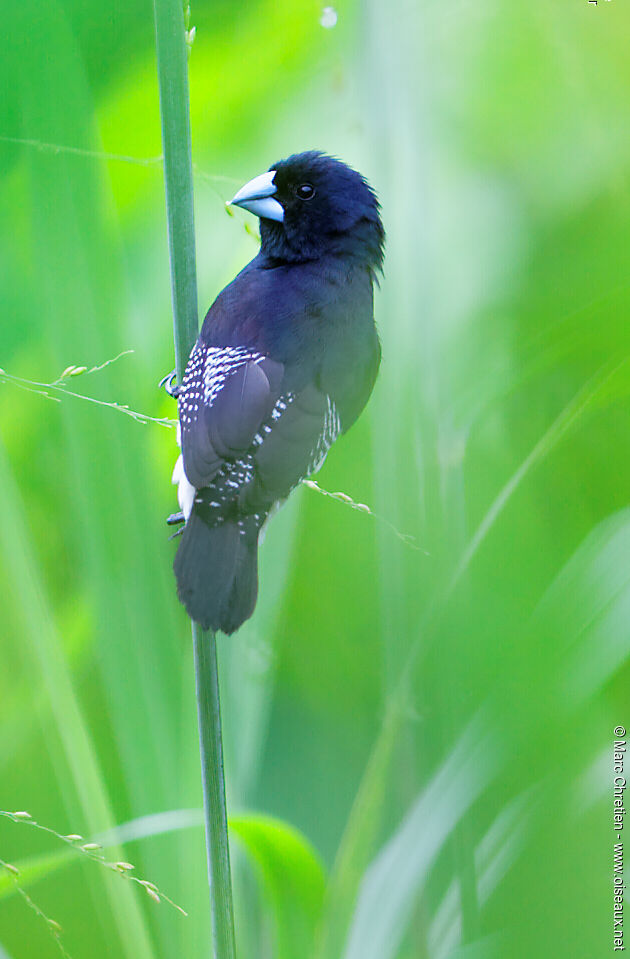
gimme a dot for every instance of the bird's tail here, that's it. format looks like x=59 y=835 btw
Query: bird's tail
x=216 y=568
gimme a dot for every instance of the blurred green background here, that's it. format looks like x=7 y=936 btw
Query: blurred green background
x=419 y=741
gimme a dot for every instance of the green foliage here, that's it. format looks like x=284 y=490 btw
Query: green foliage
x=497 y=138
x=293 y=879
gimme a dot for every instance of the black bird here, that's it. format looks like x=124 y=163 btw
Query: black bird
x=286 y=360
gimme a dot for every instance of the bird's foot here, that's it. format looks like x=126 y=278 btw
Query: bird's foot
x=168 y=384
x=175 y=518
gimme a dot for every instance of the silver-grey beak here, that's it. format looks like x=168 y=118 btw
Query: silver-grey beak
x=256 y=196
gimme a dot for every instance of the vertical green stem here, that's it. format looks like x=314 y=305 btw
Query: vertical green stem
x=172 y=60
x=173 y=80
x=208 y=710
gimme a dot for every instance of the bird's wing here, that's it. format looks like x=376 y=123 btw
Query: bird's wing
x=233 y=406
x=294 y=444
x=227 y=395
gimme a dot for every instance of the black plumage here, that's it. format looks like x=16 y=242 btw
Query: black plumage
x=286 y=360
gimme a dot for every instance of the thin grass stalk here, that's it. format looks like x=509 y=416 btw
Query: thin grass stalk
x=215 y=809
x=172 y=58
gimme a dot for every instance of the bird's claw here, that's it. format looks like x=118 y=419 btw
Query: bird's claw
x=175 y=518
x=167 y=383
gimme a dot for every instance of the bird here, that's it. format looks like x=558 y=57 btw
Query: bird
x=285 y=362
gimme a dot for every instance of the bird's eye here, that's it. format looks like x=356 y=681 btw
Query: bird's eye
x=305 y=191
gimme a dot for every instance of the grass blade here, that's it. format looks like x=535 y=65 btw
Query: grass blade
x=43 y=645
x=390 y=885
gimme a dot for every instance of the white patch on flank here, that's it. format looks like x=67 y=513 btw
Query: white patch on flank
x=332 y=429
x=185 y=490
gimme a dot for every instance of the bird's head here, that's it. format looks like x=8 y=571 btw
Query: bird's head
x=311 y=205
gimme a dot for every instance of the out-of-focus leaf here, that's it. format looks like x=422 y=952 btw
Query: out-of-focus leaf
x=293 y=879
x=37 y=867
x=358 y=839
x=43 y=652
x=395 y=877
x=591 y=599
x=490 y=947
x=494 y=855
